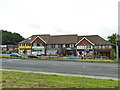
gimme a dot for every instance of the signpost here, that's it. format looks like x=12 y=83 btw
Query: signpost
x=117 y=39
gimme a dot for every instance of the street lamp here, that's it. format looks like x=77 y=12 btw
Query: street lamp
x=117 y=39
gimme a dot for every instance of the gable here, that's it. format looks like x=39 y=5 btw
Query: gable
x=38 y=40
x=85 y=41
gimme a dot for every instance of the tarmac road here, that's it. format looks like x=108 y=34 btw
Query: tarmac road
x=66 y=67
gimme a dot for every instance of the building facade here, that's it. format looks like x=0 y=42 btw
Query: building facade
x=66 y=45
x=8 y=48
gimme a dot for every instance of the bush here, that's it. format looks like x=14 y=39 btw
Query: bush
x=114 y=53
x=0 y=52
x=7 y=52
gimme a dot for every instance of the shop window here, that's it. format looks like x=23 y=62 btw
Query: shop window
x=38 y=44
x=63 y=45
x=34 y=44
x=52 y=45
x=110 y=46
x=90 y=47
x=103 y=47
x=56 y=45
x=41 y=44
x=106 y=46
x=22 y=44
x=72 y=45
x=52 y=52
x=10 y=49
x=28 y=44
x=80 y=47
x=87 y=47
x=49 y=46
x=4 y=49
x=98 y=47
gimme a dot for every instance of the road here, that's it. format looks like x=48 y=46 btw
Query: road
x=9 y=55
x=77 y=68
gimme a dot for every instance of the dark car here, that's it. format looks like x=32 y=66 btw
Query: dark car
x=15 y=55
x=32 y=56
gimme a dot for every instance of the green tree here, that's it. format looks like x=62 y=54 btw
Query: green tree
x=11 y=38
x=112 y=40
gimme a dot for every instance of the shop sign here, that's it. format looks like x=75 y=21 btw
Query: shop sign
x=69 y=49
x=41 y=47
x=80 y=50
x=3 y=45
x=24 y=48
x=52 y=49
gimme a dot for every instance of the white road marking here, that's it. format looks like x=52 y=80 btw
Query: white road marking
x=11 y=60
x=63 y=74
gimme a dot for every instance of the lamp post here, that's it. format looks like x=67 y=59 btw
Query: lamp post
x=117 y=47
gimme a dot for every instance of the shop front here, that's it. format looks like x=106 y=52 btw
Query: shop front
x=68 y=51
x=85 y=52
x=40 y=50
x=52 y=51
x=24 y=50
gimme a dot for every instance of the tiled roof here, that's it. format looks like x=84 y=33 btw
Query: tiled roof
x=62 y=39
x=45 y=37
x=97 y=40
x=67 y=39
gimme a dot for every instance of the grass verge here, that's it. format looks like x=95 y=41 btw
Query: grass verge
x=11 y=79
x=55 y=59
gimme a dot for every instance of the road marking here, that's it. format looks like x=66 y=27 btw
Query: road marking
x=63 y=74
x=11 y=60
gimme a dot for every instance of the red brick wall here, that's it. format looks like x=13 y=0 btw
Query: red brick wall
x=84 y=42
x=38 y=40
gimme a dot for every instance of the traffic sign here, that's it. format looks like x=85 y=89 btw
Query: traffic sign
x=117 y=38
x=117 y=43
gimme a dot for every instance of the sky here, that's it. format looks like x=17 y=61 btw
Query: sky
x=56 y=17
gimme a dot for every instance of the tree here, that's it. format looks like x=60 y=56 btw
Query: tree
x=10 y=38
x=112 y=40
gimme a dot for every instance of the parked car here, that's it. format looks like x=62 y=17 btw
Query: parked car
x=32 y=56
x=73 y=57
x=15 y=55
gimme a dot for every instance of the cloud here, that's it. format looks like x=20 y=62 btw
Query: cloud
x=80 y=17
x=34 y=26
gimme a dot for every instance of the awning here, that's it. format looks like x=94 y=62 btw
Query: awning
x=24 y=48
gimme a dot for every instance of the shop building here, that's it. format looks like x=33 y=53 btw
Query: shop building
x=61 y=45
x=66 y=45
x=8 y=48
x=93 y=46
x=34 y=44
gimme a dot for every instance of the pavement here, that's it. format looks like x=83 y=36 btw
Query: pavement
x=63 y=68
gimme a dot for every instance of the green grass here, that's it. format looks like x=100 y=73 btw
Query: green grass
x=11 y=79
x=55 y=59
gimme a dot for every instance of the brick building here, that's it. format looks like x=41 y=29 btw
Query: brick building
x=66 y=45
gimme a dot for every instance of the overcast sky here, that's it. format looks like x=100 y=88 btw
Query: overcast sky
x=82 y=17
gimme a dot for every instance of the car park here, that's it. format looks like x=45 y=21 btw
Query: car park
x=15 y=55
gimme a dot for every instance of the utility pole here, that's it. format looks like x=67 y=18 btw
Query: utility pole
x=117 y=47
